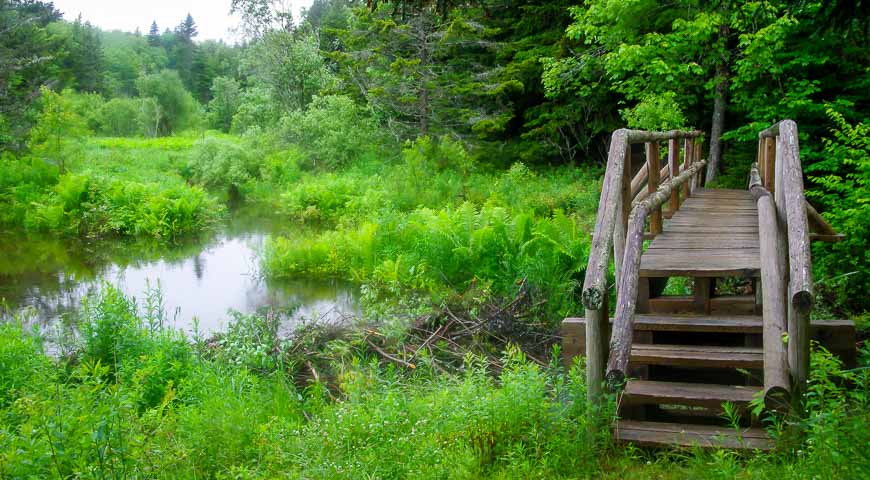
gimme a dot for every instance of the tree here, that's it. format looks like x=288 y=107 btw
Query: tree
x=28 y=59
x=173 y=107
x=260 y=17
x=422 y=73
x=154 y=35
x=226 y=98
x=291 y=68
x=57 y=126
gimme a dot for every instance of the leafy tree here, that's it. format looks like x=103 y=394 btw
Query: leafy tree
x=256 y=109
x=260 y=17
x=291 y=68
x=57 y=126
x=226 y=98
x=173 y=108
x=333 y=129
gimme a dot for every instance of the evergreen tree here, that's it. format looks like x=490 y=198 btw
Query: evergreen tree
x=154 y=35
x=184 y=51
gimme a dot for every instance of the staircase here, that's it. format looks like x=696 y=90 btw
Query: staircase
x=677 y=361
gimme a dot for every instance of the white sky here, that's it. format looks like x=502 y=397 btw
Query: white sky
x=212 y=17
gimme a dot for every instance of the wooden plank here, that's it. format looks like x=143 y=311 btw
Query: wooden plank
x=697 y=356
x=701 y=293
x=698 y=323
x=681 y=393
x=769 y=159
x=837 y=336
x=659 y=434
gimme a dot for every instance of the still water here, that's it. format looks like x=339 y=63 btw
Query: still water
x=45 y=279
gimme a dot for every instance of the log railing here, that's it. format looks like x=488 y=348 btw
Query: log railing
x=621 y=339
x=618 y=193
x=781 y=174
x=777 y=388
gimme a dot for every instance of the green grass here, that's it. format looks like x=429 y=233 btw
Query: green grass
x=131 y=399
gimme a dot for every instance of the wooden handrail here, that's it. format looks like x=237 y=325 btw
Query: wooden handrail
x=621 y=338
x=611 y=203
x=777 y=388
x=779 y=151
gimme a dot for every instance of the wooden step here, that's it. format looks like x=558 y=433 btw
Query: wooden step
x=645 y=392
x=698 y=323
x=697 y=356
x=660 y=434
x=719 y=305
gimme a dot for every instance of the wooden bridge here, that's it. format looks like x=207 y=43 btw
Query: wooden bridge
x=745 y=330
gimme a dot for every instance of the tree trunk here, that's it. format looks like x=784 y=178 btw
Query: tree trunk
x=720 y=103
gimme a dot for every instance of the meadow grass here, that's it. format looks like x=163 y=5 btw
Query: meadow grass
x=131 y=399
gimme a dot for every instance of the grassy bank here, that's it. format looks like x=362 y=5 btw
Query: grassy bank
x=129 y=399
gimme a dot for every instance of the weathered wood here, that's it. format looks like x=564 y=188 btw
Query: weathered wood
x=595 y=283
x=641 y=136
x=769 y=159
x=701 y=292
x=652 y=158
x=756 y=185
x=695 y=181
x=660 y=434
x=688 y=155
x=620 y=344
x=719 y=305
x=674 y=165
x=817 y=237
x=699 y=323
x=642 y=193
x=639 y=179
x=759 y=158
x=777 y=389
x=800 y=260
x=697 y=356
x=622 y=217
x=817 y=222
x=680 y=393
x=837 y=336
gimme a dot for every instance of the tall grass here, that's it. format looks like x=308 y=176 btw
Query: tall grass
x=134 y=400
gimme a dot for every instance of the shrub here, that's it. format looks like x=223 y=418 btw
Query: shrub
x=22 y=362
x=217 y=162
x=122 y=117
x=333 y=129
x=843 y=187
x=172 y=108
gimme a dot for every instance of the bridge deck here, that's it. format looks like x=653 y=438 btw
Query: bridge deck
x=713 y=234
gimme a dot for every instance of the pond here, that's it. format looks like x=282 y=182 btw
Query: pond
x=45 y=279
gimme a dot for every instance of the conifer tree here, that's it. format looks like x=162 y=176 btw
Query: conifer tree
x=154 y=35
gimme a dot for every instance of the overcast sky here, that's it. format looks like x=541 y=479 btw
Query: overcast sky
x=212 y=17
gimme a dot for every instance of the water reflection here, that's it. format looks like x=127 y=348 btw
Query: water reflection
x=201 y=280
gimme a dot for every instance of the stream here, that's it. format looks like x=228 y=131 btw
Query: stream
x=44 y=279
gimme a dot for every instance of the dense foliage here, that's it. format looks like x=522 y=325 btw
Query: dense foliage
x=442 y=155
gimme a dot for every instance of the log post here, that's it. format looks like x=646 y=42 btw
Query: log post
x=818 y=224
x=777 y=395
x=770 y=166
x=652 y=158
x=688 y=155
x=673 y=163
x=627 y=291
x=799 y=256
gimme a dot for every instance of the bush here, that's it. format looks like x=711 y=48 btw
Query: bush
x=22 y=362
x=172 y=108
x=333 y=130
x=843 y=187
x=121 y=117
x=217 y=162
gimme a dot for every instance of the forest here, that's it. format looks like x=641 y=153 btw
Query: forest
x=446 y=159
